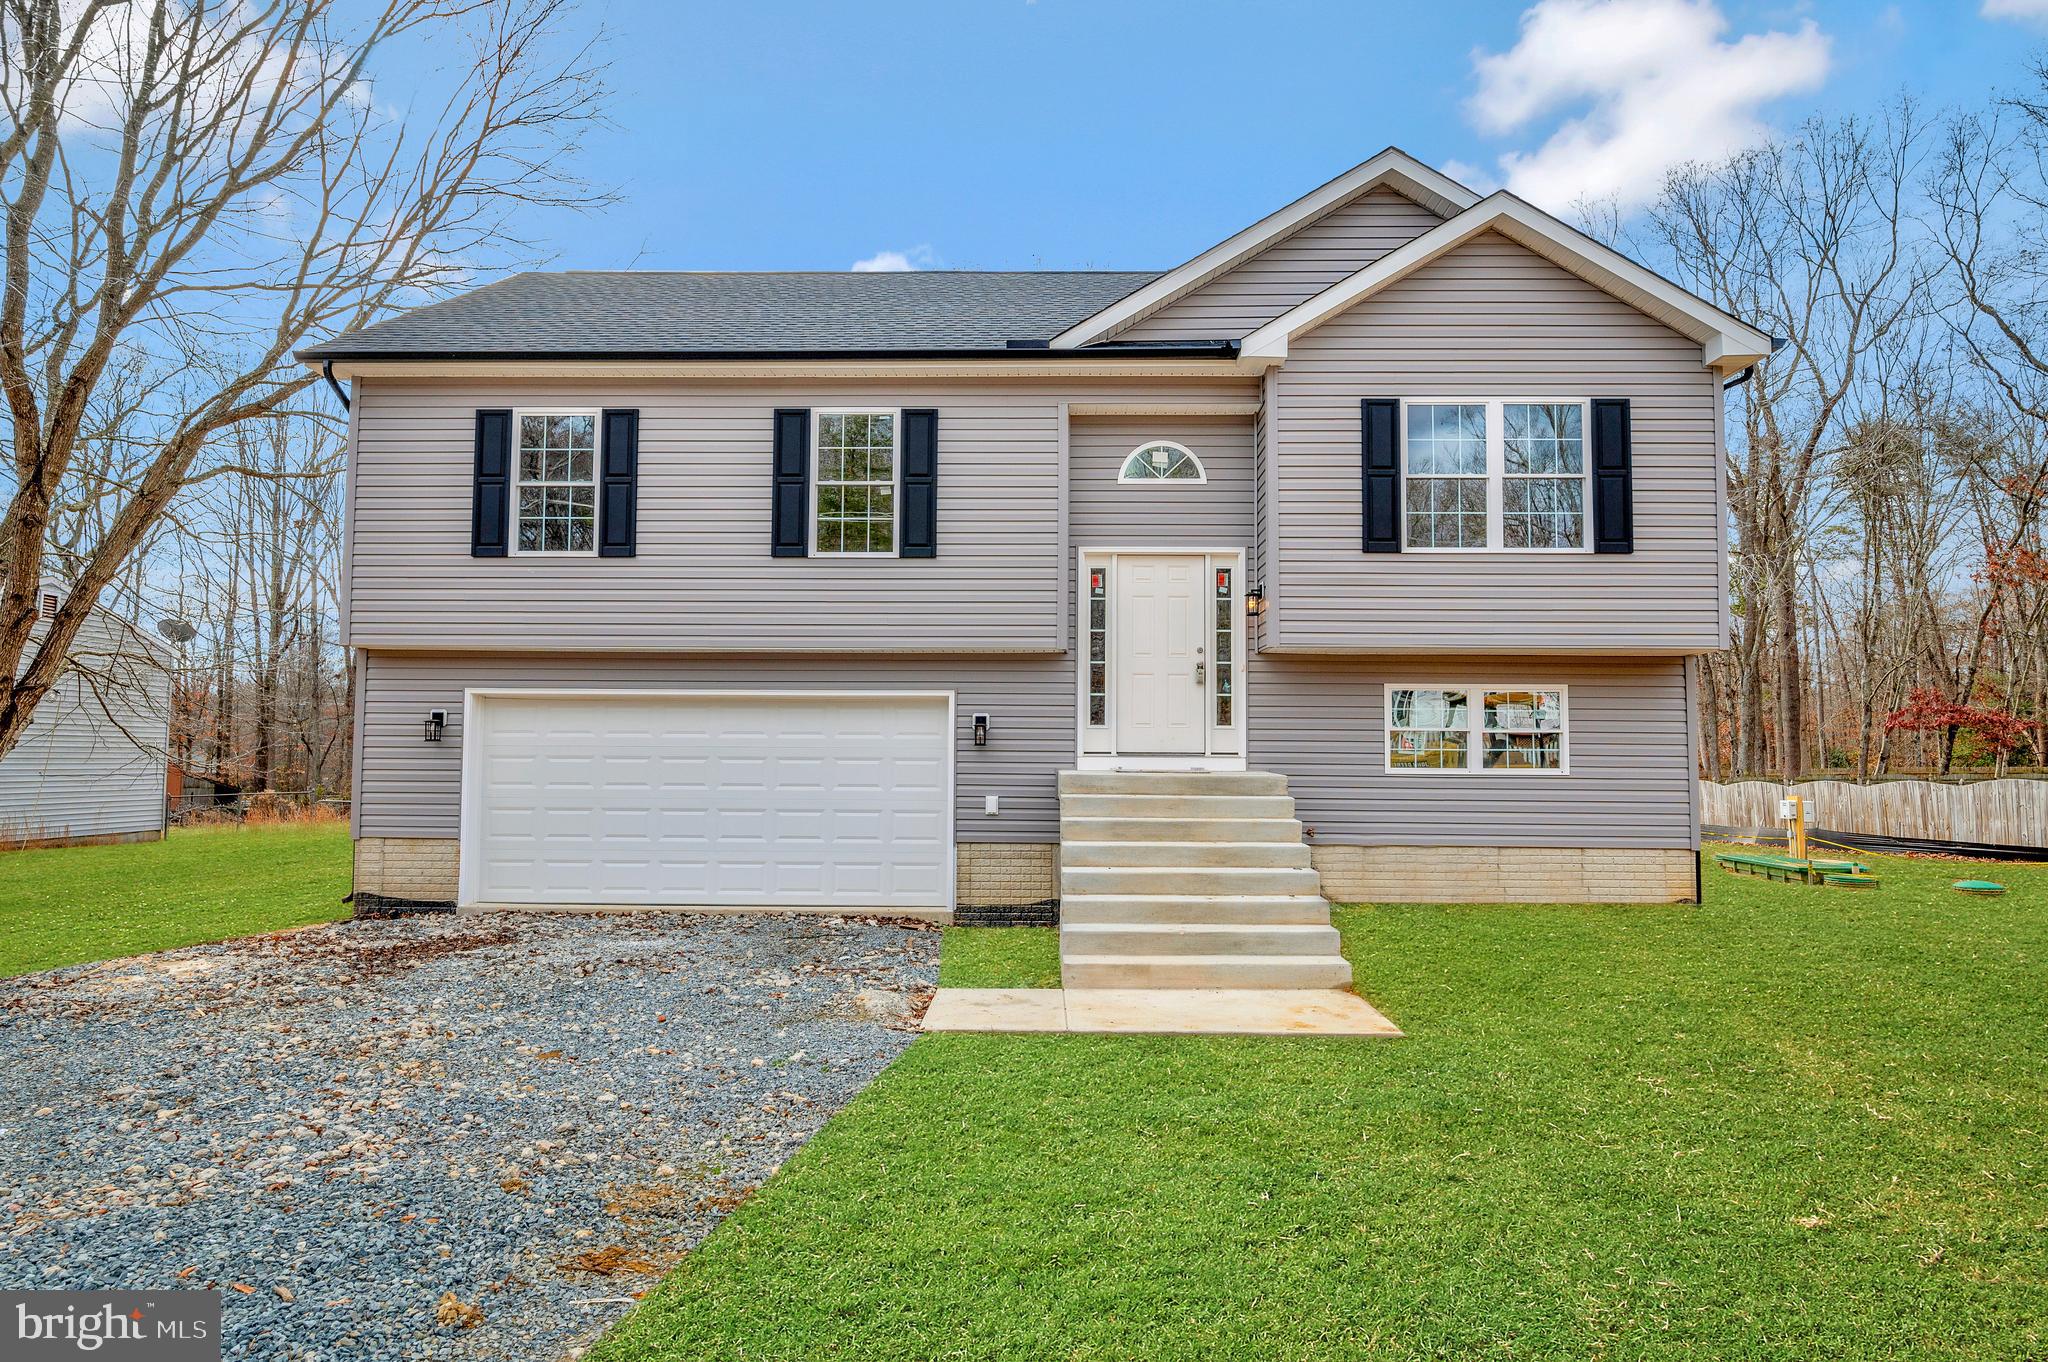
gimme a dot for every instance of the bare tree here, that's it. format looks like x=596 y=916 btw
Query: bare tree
x=1811 y=238
x=1990 y=212
x=193 y=188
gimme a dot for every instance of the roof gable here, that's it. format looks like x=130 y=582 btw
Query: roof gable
x=1297 y=267
x=1392 y=168
x=1726 y=343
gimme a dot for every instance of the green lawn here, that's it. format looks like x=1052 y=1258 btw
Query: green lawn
x=68 y=905
x=1000 y=957
x=1793 y=1123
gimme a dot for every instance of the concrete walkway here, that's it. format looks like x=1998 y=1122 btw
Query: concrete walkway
x=1159 y=1011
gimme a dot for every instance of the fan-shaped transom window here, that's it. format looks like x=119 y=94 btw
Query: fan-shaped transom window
x=1162 y=461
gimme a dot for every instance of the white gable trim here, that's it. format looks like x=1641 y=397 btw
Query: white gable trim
x=1726 y=343
x=1393 y=168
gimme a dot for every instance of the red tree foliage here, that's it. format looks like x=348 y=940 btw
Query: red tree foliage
x=1926 y=711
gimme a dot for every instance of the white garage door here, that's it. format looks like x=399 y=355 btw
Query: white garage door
x=799 y=800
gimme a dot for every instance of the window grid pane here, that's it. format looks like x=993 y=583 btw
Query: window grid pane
x=1543 y=437
x=1524 y=730
x=1161 y=461
x=856 y=482
x=1447 y=439
x=1445 y=486
x=1446 y=513
x=1543 y=513
x=557 y=472
x=1543 y=497
x=1428 y=730
x=1098 y=647
x=1224 y=654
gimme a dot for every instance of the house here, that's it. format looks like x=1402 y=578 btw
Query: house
x=90 y=767
x=1361 y=556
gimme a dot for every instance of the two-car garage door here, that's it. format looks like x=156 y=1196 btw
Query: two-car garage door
x=840 y=801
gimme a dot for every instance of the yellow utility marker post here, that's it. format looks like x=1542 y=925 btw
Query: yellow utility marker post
x=1793 y=810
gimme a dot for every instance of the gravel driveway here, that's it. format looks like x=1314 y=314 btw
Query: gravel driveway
x=431 y=1137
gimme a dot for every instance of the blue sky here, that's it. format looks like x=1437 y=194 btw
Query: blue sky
x=1022 y=134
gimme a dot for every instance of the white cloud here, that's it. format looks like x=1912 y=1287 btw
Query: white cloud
x=2027 y=11
x=1476 y=178
x=1654 y=84
x=897 y=262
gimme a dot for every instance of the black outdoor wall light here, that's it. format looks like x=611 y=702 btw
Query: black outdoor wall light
x=437 y=722
x=1255 y=602
x=981 y=730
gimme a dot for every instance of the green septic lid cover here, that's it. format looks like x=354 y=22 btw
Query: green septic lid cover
x=1979 y=887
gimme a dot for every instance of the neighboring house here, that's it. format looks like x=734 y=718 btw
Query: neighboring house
x=803 y=588
x=91 y=766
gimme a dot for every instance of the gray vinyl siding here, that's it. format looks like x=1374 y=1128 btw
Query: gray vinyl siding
x=703 y=579
x=1492 y=319
x=1631 y=783
x=1294 y=269
x=1317 y=720
x=91 y=763
x=407 y=787
x=1109 y=514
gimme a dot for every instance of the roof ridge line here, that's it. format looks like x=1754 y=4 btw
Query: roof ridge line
x=825 y=274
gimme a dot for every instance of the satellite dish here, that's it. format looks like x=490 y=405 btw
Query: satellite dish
x=176 y=630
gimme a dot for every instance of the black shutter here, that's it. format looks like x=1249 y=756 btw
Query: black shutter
x=490 y=503
x=618 y=509
x=1379 y=436
x=1614 y=514
x=792 y=496
x=920 y=534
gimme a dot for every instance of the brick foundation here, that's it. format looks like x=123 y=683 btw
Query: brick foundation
x=404 y=874
x=1007 y=884
x=1001 y=884
x=1377 y=874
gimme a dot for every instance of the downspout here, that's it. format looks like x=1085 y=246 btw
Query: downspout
x=327 y=372
x=1699 y=879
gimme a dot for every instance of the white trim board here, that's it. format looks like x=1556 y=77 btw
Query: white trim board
x=1215 y=409
x=1393 y=168
x=1726 y=343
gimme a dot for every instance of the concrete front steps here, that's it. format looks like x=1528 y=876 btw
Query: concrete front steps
x=1189 y=880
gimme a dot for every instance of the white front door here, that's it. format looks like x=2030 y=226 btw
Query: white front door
x=1162 y=663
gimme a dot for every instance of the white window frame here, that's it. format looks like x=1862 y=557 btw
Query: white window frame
x=818 y=415
x=1475 y=730
x=1497 y=475
x=519 y=481
x=1201 y=469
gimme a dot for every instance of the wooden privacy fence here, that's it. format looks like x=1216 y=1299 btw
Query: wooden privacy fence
x=2010 y=813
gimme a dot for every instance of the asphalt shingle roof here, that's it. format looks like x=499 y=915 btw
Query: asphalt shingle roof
x=650 y=313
